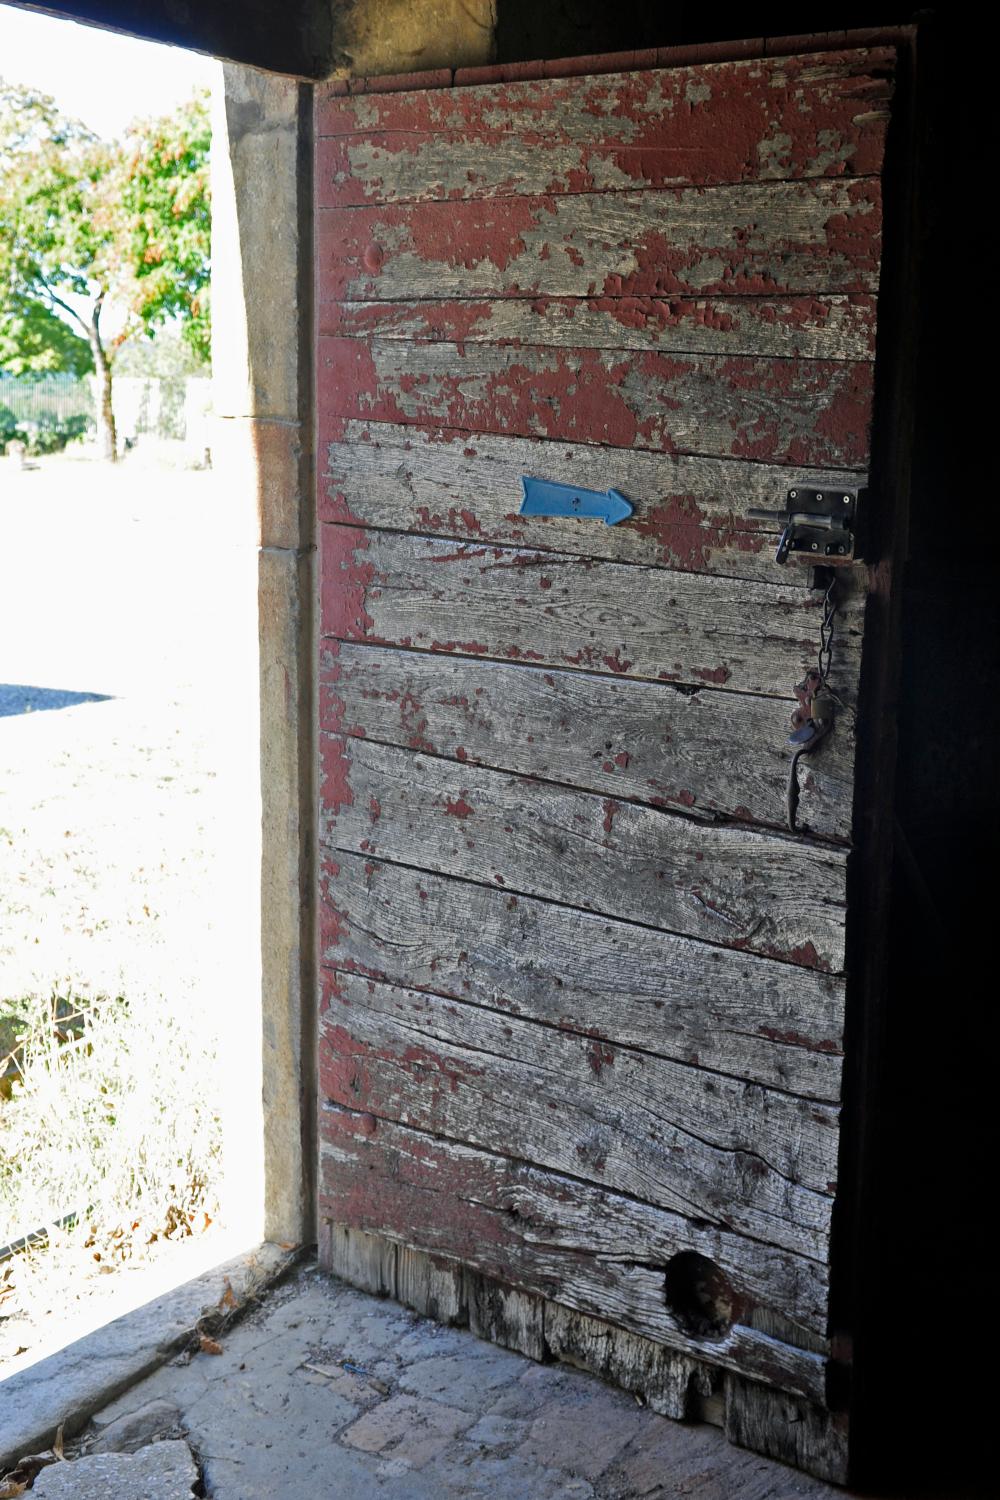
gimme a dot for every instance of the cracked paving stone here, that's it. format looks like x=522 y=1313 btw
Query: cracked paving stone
x=582 y=1435
x=134 y=1429
x=163 y=1471
x=473 y=1477
x=460 y=1381
x=497 y=1432
x=407 y=1429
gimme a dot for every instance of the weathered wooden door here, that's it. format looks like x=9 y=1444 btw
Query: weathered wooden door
x=583 y=993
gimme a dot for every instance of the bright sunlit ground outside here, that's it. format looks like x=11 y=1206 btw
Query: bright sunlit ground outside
x=128 y=785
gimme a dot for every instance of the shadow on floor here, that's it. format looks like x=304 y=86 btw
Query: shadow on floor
x=18 y=698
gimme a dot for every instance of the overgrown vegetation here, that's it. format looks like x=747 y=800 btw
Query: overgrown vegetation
x=108 y=1146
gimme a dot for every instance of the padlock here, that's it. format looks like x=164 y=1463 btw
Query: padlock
x=805 y=691
x=823 y=709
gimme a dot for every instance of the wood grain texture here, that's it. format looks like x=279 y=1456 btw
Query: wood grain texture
x=828 y=328
x=563 y=611
x=787 y=411
x=510 y=1218
x=766 y=118
x=709 y=754
x=793 y=1431
x=599 y=1250
x=583 y=999
x=745 y=1158
x=432 y=1286
x=669 y=1383
x=776 y=1024
x=506 y=1316
x=367 y=1261
x=774 y=239
x=740 y=888
x=691 y=514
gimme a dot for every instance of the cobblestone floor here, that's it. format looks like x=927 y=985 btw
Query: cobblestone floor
x=325 y=1393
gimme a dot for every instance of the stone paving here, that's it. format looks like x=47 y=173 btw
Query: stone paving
x=324 y=1393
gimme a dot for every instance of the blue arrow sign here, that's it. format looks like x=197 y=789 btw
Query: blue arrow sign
x=543 y=497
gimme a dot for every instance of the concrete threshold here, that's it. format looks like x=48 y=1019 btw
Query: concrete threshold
x=67 y=1387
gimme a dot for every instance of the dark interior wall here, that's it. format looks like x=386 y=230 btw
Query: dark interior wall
x=574 y=28
x=930 y=1240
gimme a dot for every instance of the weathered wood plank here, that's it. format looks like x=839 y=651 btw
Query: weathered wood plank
x=555 y=610
x=770 y=1023
x=700 y=1144
x=732 y=122
x=433 y=1287
x=774 y=239
x=367 y=1261
x=506 y=1316
x=672 y=1384
x=827 y=328
x=543 y=1230
x=690 y=513
x=796 y=1432
x=517 y=1317
x=768 y=893
x=708 y=753
x=787 y=411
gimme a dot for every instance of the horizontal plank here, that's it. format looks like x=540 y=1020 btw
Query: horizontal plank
x=727 y=884
x=699 y=1144
x=801 y=327
x=601 y=1253
x=706 y=752
x=786 y=411
x=690 y=513
x=556 y=610
x=773 y=239
x=772 y=1023
x=731 y=122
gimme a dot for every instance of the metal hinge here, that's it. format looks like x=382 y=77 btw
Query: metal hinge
x=819 y=525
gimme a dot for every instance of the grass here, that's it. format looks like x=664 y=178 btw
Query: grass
x=107 y=1121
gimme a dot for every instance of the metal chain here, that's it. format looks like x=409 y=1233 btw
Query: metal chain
x=824 y=659
x=824 y=663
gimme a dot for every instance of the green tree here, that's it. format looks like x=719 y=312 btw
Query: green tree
x=34 y=341
x=104 y=236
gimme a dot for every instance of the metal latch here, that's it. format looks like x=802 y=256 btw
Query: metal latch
x=817 y=524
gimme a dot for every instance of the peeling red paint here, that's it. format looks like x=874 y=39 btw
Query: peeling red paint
x=346 y=579
x=335 y=773
x=465 y=338
x=642 y=129
x=600 y=1057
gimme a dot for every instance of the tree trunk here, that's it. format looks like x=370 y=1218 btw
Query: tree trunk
x=107 y=438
